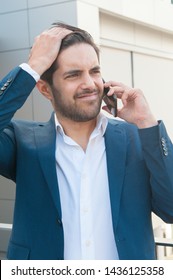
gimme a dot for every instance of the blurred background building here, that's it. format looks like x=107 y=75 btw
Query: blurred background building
x=136 y=43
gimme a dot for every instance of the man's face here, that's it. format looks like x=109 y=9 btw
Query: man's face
x=77 y=84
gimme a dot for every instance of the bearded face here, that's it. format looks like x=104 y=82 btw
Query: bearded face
x=77 y=88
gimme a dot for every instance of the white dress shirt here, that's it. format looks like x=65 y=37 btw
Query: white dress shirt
x=84 y=196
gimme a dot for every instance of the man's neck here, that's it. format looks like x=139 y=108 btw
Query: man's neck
x=79 y=131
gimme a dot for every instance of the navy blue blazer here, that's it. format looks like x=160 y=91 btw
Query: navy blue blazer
x=139 y=165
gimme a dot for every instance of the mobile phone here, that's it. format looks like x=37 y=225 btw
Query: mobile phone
x=111 y=101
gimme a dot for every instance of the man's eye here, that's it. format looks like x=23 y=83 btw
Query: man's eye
x=72 y=75
x=96 y=71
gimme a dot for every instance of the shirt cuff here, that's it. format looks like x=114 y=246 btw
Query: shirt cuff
x=30 y=71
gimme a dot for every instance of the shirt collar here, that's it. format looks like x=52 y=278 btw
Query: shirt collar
x=101 y=124
x=100 y=128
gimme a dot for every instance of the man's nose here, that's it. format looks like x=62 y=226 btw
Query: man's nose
x=87 y=82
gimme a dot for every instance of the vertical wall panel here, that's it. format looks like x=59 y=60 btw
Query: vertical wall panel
x=14 y=34
x=116 y=65
x=9 y=5
x=42 y=18
x=154 y=76
x=40 y=3
x=10 y=59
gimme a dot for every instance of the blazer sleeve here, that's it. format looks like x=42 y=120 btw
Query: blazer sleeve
x=14 y=90
x=158 y=154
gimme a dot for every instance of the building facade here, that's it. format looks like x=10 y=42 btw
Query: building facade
x=136 y=43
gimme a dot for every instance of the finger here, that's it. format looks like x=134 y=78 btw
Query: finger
x=117 y=90
x=61 y=32
x=124 y=98
x=114 y=83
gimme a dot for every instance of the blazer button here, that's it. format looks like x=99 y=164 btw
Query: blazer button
x=9 y=81
x=166 y=153
x=6 y=84
x=163 y=140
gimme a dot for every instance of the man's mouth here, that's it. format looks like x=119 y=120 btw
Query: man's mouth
x=90 y=96
x=87 y=96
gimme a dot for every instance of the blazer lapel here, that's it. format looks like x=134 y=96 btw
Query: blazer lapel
x=115 y=142
x=45 y=135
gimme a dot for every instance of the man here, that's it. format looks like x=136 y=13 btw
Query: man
x=85 y=186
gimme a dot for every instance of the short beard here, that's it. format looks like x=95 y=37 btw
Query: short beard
x=75 y=113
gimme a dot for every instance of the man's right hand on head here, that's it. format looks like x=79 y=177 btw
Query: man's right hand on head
x=46 y=48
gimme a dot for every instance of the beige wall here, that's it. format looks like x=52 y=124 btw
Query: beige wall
x=132 y=53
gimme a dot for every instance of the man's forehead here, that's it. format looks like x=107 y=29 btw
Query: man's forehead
x=77 y=56
x=78 y=50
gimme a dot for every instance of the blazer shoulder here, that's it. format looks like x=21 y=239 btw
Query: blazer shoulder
x=121 y=124
x=24 y=125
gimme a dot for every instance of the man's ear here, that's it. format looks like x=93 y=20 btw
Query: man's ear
x=44 y=89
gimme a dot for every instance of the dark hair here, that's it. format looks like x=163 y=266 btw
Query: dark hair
x=78 y=36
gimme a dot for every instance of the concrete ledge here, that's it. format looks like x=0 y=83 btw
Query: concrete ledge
x=5 y=226
x=164 y=242
x=5 y=231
